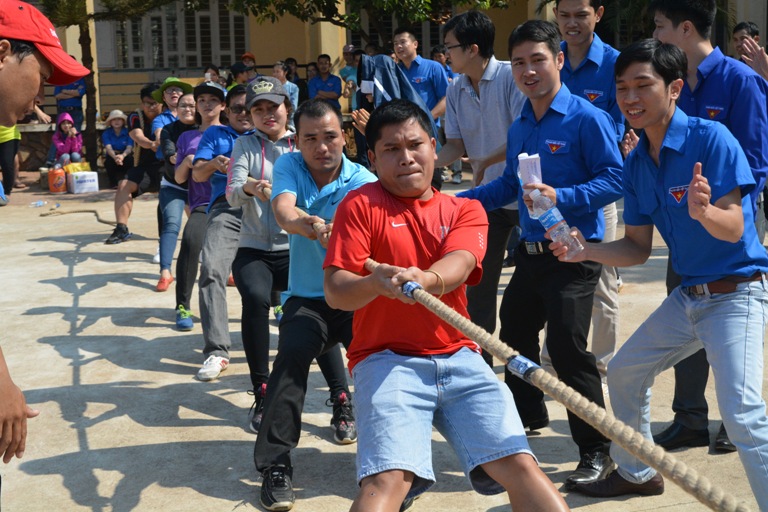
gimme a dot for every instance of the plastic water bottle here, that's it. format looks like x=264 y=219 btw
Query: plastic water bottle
x=37 y=204
x=553 y=221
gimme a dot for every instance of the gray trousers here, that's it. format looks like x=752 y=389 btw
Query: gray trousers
x=222 y=237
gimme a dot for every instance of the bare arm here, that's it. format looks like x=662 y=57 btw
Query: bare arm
x=137 y=135
x=181 y=174
x=452 y=150
x=202 y=169
x=439 y=110
x=479 y=165
x=288 y=218
x=348 y=291
x=14 y=413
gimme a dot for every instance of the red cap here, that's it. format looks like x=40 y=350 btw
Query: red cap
x=248 y=55
x=23 y=22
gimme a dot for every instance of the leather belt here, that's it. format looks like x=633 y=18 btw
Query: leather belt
x=536 y=247
x=725 y=285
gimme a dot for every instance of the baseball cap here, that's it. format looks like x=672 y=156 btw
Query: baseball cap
x=248 y=55
x=265 y=88
x=171 y=81
x=21 y=21
x=350 y=48
x=237 y=68
x=210 y=88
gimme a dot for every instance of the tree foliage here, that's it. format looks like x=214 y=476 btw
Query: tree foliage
x=405 y=11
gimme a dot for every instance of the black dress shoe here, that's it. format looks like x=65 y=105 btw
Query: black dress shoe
x=615 y=485
x=679 y=436
x=722 y=443
x=592 y=467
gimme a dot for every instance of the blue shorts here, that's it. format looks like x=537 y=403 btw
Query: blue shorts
x=398 y=398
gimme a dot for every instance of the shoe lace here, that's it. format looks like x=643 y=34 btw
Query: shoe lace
x=183 y=313
x=342 y=409
x=258 y=397
x=277 y=477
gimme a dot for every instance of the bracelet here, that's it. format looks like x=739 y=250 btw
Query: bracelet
x=440 y=278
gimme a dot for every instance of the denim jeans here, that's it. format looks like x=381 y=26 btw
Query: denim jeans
x=730 y=327
x=172 y=201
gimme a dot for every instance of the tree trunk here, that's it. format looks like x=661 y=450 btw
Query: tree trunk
x=90 y=137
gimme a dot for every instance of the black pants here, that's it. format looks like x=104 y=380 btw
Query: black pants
x=308 y=329
x=543 y=291
x=692 y=373
x=481 y=298
x=116 y=173
x=189 y=255
x=8 y=152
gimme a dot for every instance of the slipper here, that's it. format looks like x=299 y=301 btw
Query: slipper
x=164 y=283
x=19 y=185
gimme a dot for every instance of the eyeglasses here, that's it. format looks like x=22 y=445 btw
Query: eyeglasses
x=238 y=109
x=150 y=104
x=173 y=90
x=451 y=47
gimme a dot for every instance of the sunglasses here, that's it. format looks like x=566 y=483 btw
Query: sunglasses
x=238 y=109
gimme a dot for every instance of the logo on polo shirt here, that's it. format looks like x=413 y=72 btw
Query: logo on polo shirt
x=713 y=112
x=419 y=79
x=678 y=192
x=592 y=95
x=555 y=145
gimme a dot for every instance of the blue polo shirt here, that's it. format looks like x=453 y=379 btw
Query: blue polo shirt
x=659 y=196
x=579 y=159
x=428 y=78
x=217 y=140
x=331 y=84
x=733 y=94
x=595 y=80
x=291 y=176
x=165 y=118
x=77 y=102
x=118 y=142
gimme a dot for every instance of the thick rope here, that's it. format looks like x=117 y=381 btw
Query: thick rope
x=625 y=436
x=54 y=211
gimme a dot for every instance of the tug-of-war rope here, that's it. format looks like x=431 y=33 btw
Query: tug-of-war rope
x=606 y=423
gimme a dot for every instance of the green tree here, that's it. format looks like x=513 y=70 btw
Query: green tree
x=66 y=13
x=405 y=11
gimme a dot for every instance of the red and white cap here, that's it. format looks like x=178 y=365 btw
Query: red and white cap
x=23 y=22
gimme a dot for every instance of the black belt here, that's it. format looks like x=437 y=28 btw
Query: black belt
x=536 y=247
x=727 y=284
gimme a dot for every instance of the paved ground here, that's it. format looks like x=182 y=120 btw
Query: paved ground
x=125 y=426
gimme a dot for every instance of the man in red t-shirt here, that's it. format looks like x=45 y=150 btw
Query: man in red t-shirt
x=412 y=370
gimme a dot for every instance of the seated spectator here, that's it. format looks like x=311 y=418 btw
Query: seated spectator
x=68 y=141
x=118 y=146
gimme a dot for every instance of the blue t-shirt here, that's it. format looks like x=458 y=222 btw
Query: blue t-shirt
x=217 y=140
x=291 y=176
x=77 y=102
x=595 y=80
x=118 y=142
x=165 y=118
x=331 y=84
x=733 y=94
x=428 y=78
x=579 y=159
x=659 y=196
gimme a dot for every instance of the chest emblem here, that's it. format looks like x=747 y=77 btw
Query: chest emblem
x=555 y=145
x=713 y=112
x=592 y=95
x=678 y=192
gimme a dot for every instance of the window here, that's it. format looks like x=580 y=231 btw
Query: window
x=171 y=37
x=429 y=34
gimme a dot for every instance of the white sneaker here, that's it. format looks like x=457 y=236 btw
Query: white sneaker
x=156 y=258
x=212 y=368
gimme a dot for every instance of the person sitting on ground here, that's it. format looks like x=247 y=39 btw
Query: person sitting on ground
x=412 y=374
x=314 y=179
x=118 y=147
x=68 y=141
x=145 y=175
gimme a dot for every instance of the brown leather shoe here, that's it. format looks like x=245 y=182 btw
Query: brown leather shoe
x=615 y=485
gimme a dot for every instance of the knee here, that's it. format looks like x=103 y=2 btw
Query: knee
x=387 y=483
x=76 y=157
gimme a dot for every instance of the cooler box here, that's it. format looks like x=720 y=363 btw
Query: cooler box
x=82 y=182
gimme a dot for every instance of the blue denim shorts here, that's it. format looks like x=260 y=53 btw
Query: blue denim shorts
x=398 y=398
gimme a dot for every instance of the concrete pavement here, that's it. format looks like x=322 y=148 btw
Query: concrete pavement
x=125 y=425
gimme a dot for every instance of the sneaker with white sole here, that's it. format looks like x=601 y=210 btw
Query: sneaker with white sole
x=156 y=257
x=212 y=368
x=277 y=489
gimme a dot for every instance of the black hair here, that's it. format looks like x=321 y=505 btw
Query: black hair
x=669 y=61
x=437 y=49
x=701 y=13
x=286 y=69
x=234 y=92
x=595 y=4
x=537 y=31
x=21 y=49
x=750 y=27
x=358 y=52
x=396 y=111
x=473 y=27
x=213 y=67
x=313 y=64
x=290 y=60
x=147 y=90
x=404 y=30
x=315 y=108
x=374 y=47
x=324 y=56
